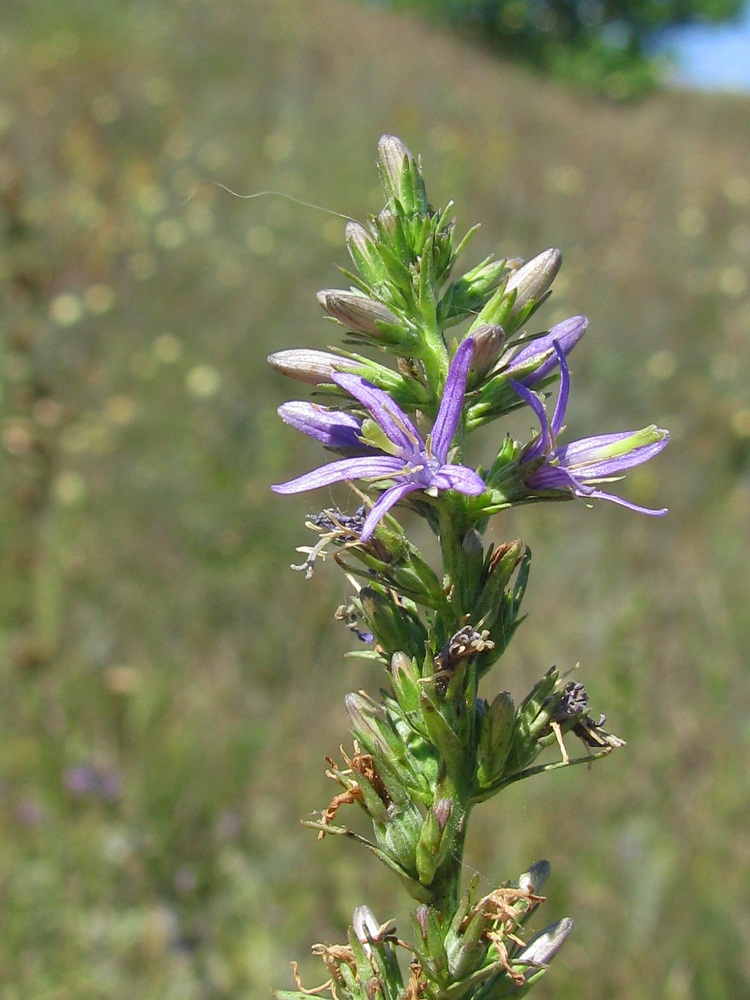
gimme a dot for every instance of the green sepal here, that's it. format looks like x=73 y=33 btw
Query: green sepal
x=441 y=735
x=427 y=288
x=467 y=577
x=396 y=626
x=405 y=679
x=427 y=848
x=532 y=718
x=382 y=960
x=469 y=293
x=496 y=574
x=395 y=247
x=507 y=616
x=465 y=948
x=366 y=258
x=400 y=835
x=428 y=945
x=539 y=705
x=495 y=739
x=396 y=766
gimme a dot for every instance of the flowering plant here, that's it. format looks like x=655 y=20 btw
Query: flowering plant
x=431 y=748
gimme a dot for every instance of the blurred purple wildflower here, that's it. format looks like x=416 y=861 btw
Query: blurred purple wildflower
x=576 y=467
x=85 y=780
x=402 y=453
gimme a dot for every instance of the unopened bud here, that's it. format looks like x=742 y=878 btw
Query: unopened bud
x=359 y=313
x=311 y=367
x=535 y=878
x=391 y=154
x=365 y=926
x=489 y=341
x=542 y=949
x=531 y=281
x=400 y=175
x=470 y=292
x=421 y=915
x=443 y=809
x=365 y=255
x=363 y=716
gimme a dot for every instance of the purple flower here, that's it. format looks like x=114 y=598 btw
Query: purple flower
x=336 y=430
x=576 y=467
x=542 y=351
x=401 y=454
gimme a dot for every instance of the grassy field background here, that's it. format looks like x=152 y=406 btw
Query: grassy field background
x=169 y=687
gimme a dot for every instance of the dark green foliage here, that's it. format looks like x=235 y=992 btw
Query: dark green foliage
x=602 y=45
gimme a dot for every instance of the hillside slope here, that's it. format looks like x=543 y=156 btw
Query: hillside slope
x=152 y=632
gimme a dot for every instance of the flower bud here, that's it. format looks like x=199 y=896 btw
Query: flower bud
x=358 y=312
x=465 y=944
x=363 y=716
x=366 y=927
x=531 y=281
x=405 y=678
x=401 y=177
x=391 y=155
x=311 y=367
x=540 y=951
x=470 y=292
x=443 y=809
x=403 y=829
x=365 y=255
x=427 y=848
x=495 y=739
x=395 y=627
x=434 y=843
x=429 y=947
x=489 y=341
x=535 y=878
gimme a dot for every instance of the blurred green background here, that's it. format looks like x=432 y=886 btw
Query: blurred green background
x=169 y=687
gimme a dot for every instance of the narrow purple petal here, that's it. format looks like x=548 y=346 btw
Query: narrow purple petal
x=586 y=455
x=556 y=477
x=372 y=467
x=553 y=477
x=544 y=442
x=460 y=478
x=600 y=495
x=383 y=505
x=451 y=404
x=388 y=415
x=333 y=428
x=567 y=334
x=558 y=418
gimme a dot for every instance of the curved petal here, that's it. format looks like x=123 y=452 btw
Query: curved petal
x=599 y=495
x=460 y=478
x=544 y=441
x=388 y=415
x=553 y=477
x=452 y=402
x=592 y=457
x=383 y=505
x=541 y=350
x=338 y=472
x=333 y=428
x=558 y=418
